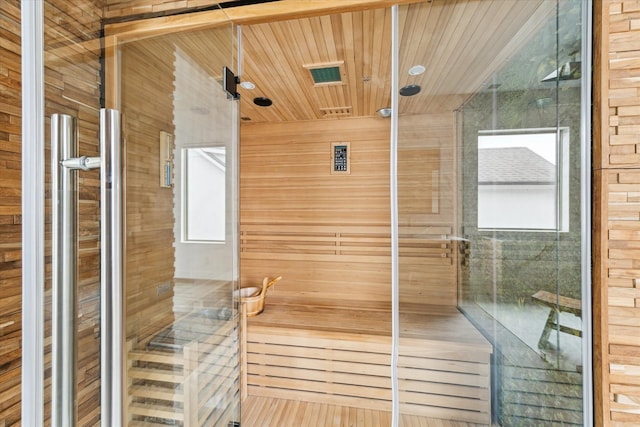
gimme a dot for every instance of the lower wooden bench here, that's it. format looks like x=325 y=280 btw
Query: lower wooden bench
x=328 y=353
x=185 y=383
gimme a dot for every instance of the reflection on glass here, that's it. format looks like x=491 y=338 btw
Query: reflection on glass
x=204 y=199
x=522 y=180
x=181 y=322
x=498 y=119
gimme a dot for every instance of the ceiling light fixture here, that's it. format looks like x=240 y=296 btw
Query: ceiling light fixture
x=384 y=112
x=261 y=101
x=410 y=90
x=416 y=70
x=248 y=85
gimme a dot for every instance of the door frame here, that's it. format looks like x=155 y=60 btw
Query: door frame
x=32 y=15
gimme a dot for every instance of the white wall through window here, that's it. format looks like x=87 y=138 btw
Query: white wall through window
x=203 y=202
x=202 y=191
x=523 y=179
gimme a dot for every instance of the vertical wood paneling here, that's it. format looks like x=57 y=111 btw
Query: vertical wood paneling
x=617 y=213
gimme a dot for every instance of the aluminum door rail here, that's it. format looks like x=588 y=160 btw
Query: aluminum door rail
x=64 y=164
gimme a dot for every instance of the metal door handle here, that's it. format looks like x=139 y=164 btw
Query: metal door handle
x=64 y=163
x=64 y=252
x=111 y=269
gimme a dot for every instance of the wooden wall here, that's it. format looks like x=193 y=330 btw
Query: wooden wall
x=616 y=222
x=426 y=201
x=286 y=185
x=10 y=213
x=329 y=235
x=147 y=92
x=615 y=186
x=72 y=88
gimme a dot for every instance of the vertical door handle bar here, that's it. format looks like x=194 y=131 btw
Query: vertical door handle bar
x=64 y=252
x=111 y=269
x=64 y=163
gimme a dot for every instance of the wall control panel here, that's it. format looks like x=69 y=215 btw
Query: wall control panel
x=340 y=161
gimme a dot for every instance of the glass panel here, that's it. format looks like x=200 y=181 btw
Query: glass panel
x=489 y=199
x=203 y=175
x=181 y=318
x=72 y=73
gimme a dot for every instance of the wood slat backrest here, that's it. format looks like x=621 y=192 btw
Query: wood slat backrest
x=418 y=244
x=336 y=262
x=321 y=243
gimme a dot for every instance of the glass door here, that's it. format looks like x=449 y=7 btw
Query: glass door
x=138 y=262
x=181 y=322
x=493 y=212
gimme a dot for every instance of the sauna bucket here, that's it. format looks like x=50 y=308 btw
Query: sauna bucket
x=253 y=297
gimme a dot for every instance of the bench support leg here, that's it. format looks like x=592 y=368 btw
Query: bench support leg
x=552 y=322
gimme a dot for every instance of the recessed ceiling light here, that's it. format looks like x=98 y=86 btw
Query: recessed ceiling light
x=248 y=85
x=416 y=70
x=261 y=101
x=410 y=90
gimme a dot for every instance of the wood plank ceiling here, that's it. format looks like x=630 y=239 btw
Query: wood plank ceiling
x=460 y=43
x=277 y=55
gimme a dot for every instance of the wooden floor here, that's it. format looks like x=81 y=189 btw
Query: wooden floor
x=269 y=412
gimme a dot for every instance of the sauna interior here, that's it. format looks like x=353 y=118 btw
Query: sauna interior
x=430 y=221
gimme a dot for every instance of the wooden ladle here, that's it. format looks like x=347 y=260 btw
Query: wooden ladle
x=266 y=284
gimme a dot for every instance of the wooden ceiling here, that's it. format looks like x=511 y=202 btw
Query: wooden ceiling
x=276 y=57
x=460 y=42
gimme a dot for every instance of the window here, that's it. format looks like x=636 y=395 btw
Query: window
x=204 y=194
x=522 y=179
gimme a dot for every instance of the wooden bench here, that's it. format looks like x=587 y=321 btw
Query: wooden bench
x=557 y=304
x=332 y=353
x=185 y=384
x=179 y=374
x=325 y=333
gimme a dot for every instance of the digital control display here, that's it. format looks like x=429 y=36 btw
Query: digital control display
x=340 y=163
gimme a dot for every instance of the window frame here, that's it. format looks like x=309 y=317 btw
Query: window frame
x=184 y=199
x=562 y=168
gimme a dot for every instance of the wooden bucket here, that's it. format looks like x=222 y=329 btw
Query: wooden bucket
x=254 y=302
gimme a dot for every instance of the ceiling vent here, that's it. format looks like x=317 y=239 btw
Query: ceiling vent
x=335 y=112
x=326 y=74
